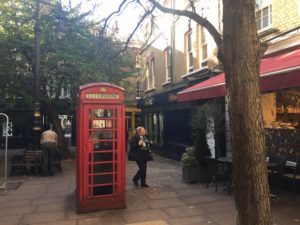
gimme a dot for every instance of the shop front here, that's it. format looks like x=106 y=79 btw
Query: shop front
x=167 y=122
x=280 y=88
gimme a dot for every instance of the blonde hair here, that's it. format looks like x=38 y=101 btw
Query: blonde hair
x=139 y=128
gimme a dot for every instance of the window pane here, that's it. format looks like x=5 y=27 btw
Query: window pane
x=102 y=157
x=103 y=179
x=204 y=51
x=103 y=134
x=265 y=21
x=190 y=59
x=103 y=168
x=190 y=42
x=265 y=12
x=203 y=38
x=258 y=24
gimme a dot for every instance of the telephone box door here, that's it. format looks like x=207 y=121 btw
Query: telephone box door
x=102 y=157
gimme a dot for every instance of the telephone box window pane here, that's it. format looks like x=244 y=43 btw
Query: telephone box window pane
x=102 y=134
x=116 y=145
x=103 y=179
x=116 y=167
x=108 y=123
x=108 y=113
x=90 y=114
x=98 y=123
x=103 y=168
x=116 y=178
x=116 y=124
x=116 y=113
x=102 y=157
x=102 y=113
x=90 y=119
x=116 y=135
x=90 y=180
x=116 y=156
x=104 y=190
x=99 y=113
x=90 y=157
x=102 y=146
x=90 y=169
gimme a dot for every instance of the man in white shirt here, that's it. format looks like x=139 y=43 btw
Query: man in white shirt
x=49 y=144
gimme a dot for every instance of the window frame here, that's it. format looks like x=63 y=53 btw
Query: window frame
x=260 y=7
x=147 y=75
x=203 y=45
x=138 y=90
x=152 y=72
x=168 y=64
x=189 y=51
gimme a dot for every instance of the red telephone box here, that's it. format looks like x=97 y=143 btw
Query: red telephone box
x=100 y=174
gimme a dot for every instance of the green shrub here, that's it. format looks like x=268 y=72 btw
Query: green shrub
x=188 y=158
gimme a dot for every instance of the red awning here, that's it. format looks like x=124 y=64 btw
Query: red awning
x=277 y=72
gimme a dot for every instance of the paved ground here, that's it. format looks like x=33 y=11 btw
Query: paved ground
x=168 y=201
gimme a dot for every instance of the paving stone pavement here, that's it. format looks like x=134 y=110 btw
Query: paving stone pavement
x=168 y=201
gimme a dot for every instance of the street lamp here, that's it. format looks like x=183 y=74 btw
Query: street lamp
x=60 y=29
x=36 y=129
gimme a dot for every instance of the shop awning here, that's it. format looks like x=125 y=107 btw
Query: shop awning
x=277 y=72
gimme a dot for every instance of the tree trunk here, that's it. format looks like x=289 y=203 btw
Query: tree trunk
x=53 y=117
x=242 y=52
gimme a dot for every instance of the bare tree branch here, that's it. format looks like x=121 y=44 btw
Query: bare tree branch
x=147 y=13
x=192 y=5
x=103 y=28
x=194 y=16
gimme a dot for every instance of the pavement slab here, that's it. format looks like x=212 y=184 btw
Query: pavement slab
x=168 y=201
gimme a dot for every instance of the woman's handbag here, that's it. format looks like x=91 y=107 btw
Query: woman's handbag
x=133 y=155
x=150 y=156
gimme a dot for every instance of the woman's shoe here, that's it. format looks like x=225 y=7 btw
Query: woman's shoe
x=135 y=182
x=144 y=185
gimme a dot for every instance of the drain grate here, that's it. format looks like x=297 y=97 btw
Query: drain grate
x=13 y=185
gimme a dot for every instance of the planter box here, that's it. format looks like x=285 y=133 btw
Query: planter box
x=191 y=174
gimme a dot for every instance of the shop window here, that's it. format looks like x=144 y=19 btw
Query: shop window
x=189 y=51
x=288 y=108
x=263 y=14
x=138 y=119
x=168 y=55
x=155 y=128
x=161 y=128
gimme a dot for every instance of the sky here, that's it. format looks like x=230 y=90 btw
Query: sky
x=126 y=22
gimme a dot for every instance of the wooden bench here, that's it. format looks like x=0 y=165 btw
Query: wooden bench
x=32 y=159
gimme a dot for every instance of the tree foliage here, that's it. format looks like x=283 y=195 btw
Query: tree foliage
x=69 y=59
x=72 y=53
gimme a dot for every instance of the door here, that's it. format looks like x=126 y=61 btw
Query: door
x=103 y=150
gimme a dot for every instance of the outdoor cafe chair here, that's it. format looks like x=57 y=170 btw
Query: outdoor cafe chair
x=292 y=174
x=276 y=167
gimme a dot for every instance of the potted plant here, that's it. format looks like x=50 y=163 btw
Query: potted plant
x=207 y=118
x=190 y=166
